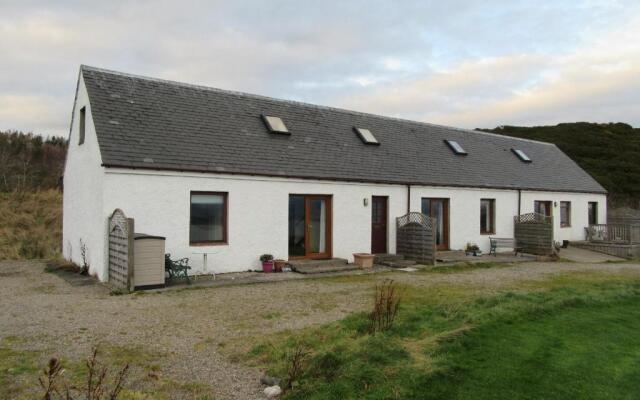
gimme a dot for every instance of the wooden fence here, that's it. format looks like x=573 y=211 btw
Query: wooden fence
x=534 y=233
x=415 y=237
x=121 y=236
x=614 y=233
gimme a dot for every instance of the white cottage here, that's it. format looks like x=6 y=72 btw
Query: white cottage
x=240 y=175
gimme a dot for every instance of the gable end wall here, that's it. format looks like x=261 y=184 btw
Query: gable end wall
x=83 y=217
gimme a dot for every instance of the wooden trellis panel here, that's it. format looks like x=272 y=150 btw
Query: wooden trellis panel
x=534 y=233
x=121 y=248
x=415 y=237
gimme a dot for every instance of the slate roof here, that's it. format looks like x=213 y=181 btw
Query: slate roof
x=156 y=124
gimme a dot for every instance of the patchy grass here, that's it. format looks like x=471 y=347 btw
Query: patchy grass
x=30 y=225
x=61 y=265
x=630 y=261
x=464 y=266
x=273 y=315
x=572 y=336
x=19 y=371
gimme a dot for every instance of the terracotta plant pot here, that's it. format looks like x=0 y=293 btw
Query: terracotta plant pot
x=267 y=266
x=279 y=264
x=363 y=260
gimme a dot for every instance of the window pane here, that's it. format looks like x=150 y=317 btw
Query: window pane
x=275 y=124
x=565 y=213
x=426 y=207
x=486 y=215
x=317 y=225
x=366 y=136
x=83 y=120
x=542 y=207
x=207 y=218
x=593 y=213
x=296 y=226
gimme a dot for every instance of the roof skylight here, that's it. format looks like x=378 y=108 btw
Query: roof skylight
x=521 y=155
x=275 y=124
x=366 y=136
x=455 y=147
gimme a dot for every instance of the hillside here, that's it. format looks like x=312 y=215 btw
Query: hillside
x=609 y=152
x=29 y=162
x=30 y=205
x=30 y=224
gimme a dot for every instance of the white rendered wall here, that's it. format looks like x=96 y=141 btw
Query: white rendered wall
x=258 y=213
x=579 y=211
x=82 y=198
x=464 y=212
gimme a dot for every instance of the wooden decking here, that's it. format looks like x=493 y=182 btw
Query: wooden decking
x=624 y=250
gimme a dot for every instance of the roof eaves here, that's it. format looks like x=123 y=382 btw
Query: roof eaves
x=191 y=169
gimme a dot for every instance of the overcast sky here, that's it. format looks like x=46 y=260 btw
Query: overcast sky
x=462 y=63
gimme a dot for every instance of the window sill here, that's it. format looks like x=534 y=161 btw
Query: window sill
x=203 y=244
x=487 y=233
x=565 y=226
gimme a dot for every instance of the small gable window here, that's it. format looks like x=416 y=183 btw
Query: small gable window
x=455 y=147
x=521 y=155
x=275 y=124
x=366 y=136
x=83 y=118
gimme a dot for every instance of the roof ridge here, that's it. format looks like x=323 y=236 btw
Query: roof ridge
x=302 y=103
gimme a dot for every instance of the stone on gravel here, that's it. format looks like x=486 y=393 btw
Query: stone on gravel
x=269 y=380
x=272 y=392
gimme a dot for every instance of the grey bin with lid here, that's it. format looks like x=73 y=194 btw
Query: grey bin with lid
x=148 y=258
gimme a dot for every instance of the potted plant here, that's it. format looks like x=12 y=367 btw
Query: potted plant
x=473 y=249
x=363 y=260
x=279 y=264
x=267 y=263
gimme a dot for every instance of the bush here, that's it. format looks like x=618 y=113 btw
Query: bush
x=386 y=303
x=97 y=385
x=296 y=359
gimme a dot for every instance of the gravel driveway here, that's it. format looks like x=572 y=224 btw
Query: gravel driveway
x=192 y=330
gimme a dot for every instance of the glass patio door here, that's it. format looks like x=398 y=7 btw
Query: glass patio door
x=309 y=226
x=439 y=210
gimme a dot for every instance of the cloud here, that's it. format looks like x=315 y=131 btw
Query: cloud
x=37 y=114
x=599 y=80
x=457 y=62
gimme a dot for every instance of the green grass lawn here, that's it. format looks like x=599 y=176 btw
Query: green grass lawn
x=575 y=336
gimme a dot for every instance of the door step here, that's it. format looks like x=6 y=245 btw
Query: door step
x=321 y=266
x=382 y=258
x=399 y=263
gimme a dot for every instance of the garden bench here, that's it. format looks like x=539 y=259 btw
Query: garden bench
x=176 y=268
x=503 y=243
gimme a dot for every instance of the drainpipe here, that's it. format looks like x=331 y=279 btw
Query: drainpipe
x=408 y=198
x=519 y=201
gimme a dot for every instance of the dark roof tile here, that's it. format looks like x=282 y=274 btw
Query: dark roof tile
x=188 y=127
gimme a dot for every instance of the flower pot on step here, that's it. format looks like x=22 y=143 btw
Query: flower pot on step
x=363 y=260
x=279 y=264
x=267 y=266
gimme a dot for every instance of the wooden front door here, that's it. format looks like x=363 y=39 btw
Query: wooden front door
x=309 y=226
x=438 y=209
x=379 y=218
